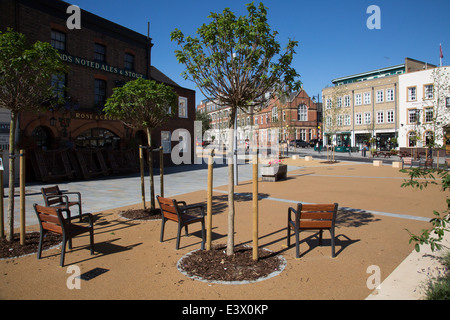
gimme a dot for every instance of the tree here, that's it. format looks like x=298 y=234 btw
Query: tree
x=26 y=73
x=205 y=119
x=334 y=114
x=419 y=178
x=143 y=104
x=235 y=61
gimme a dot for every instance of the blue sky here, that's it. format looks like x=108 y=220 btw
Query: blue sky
x=334 y=40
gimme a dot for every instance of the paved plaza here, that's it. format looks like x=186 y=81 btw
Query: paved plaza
x=374 y=213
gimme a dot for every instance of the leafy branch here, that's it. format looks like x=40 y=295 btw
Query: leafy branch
x=441 y=220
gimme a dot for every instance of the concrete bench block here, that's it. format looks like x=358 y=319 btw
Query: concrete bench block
x=397 y=164
x=377 y=163
x=308 y=158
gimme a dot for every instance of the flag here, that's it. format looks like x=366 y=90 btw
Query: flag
x=440 y=49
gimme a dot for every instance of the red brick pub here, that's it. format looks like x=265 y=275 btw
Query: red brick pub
x=77 y=140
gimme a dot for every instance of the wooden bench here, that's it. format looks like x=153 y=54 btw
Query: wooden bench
x=177 y=211
x=312 y=217
x=427 y=163
x=54 y=197
x=407 y=161
x=51 y=220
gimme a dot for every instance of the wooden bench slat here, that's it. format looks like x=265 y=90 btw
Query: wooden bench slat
x=316 y=215
x=315 y=224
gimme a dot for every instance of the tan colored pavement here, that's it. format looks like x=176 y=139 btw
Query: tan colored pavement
x=140 y=267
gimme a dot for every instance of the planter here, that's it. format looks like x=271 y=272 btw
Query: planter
x=274 y=173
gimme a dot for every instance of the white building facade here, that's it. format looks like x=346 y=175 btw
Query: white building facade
x=424 y=108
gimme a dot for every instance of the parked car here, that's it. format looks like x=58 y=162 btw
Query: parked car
x=298 y=143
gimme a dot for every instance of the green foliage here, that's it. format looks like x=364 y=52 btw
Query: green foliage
x=142 y=103
x=439 y=286
x=419 y=179
x=237 y=60
x=25 y=85
x=26 y=72
x=205 y=119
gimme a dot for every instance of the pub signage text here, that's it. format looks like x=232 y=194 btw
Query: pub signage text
x=99 y=66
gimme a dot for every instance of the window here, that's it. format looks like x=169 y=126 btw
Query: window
x=166 y=141
x=390 y=116
x=99 y=92
x=284 y=115
x=428 y=115
x=428 y=91
x=129 y=61
x=367 y=118
x=274 y=114
x=303 y=134
x=302 y=113
x=58 y=84
x=412 y=139
x=328 y=121
x=358 y=119
x=329 y=104
x=429 y=138
x=389 y=95
x=99 y=52
x=412 y=116
x=182 y=107
x=340 y=120
x=358 y=99
x=366 y=97
x=339 y=102
x=380 y=96
x=380 y=116
x=58 y=40
x=412 y=94
x=447 y=102
x=347 y=120
x=347 y=101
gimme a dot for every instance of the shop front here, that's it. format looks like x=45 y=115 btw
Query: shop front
x=386 y=141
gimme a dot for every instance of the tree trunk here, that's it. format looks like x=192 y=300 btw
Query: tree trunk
x=150 y=168
x=230 y=152
x=12 y=165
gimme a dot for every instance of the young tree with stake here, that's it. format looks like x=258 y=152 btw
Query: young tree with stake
x=236 y=61
x=143 y=104
x=26 y=73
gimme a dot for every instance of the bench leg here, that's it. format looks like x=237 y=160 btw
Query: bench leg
x=297 y=244
x=288 y=235
x=333 y=253
x=178 y=235
x=91 y=236
x=41 y=238
x=163 y=221
x=63 y=250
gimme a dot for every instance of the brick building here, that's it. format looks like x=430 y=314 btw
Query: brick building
x=101 y=55
x=295 y=118
x=298 y=117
